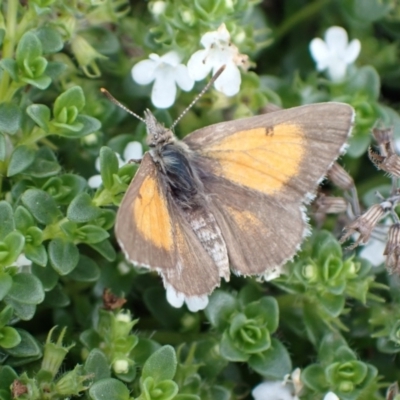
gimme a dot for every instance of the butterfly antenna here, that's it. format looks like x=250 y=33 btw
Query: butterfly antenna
x=212 y=80
x=120 y=105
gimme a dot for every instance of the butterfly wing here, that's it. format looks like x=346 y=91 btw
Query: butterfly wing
x=260 y=171
x=285 y=153
x=153 y=232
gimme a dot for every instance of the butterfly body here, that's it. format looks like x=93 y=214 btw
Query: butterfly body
x=229 y=195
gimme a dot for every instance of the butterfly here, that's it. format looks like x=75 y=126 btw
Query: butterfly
x=228 y=197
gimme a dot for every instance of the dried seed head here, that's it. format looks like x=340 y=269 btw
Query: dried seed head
x=384 y=137
x=389 y=162
x=330 y=204
x=111 y=301
x=340 y=177
x=366 y=222
x=392 y=249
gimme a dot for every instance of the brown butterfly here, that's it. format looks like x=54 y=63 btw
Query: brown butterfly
x=227 y=196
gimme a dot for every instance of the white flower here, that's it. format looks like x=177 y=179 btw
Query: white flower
x=373 y=252
x=335 y=53
x=166 y=72
x=132 y=151
x=287 y=389
x=273 y=390
x=218 y=51
x=22 y=262
x=331 y=396
x=176 y=299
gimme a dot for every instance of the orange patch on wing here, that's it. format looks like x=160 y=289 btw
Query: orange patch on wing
x=151 y=215
x=264 y=159
x=245 y=219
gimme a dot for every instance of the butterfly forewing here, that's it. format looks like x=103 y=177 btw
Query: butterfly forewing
x=284 y=153
x=153 y=232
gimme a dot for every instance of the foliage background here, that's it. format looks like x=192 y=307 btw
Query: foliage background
x=333 y=314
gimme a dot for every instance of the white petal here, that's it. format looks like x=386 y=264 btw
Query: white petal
x=319 y=51
x=171 y=58
x=211 y=38
x=198 y=65
x=143 y=72
x=336 y=39
x=22 y=261
x=272 y=391
x=97 y=164
x=182 y=78
x=352 y=51
x=273 y=274
x=133 y=151
x=331 y=396
x=373 y=252
x=229 y=81
x=164 y=91
x=173 y=297
x=95 y=181
x=337 y=70
x=196 y=303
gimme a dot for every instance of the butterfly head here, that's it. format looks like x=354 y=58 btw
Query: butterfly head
x=157 y=133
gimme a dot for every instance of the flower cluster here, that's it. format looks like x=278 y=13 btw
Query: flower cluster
x=167 y=72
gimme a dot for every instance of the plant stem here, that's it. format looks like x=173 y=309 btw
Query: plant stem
x=305 y=13
x=9 y=42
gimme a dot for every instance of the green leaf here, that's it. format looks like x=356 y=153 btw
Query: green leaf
x=86 y=270
x=29 y=48
x=37 y=254
x=40 y=114
x=5 y=316
x=73 y=97
x=41 y=205
x=109 y=389
x=10 y=118
x=367 y=81
x=7 y=377
x=42 y=83
x=161 y=365
x=332 y=304
x=10 y=66
x=106 y=249
x=47 y=276
x=220 y=309
x=55 y=69
x=28 y=347
x=21 y=159
x=266 y=308
x=85 y=125
x=7 y=224
x=23 y=311
x=108 y=166
x=14 y=243
x=9 y=337
x=51 y=40
x=82 y=209
x=3 y=147
x=313 y=377
x=26 y=289
x=230 y=351
x=97 y=365
x=91 y=234
x=63 y=255
x=5 y=284
x=23 y=219
x=57 y=298
x=45 y=164
x=273 y=363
